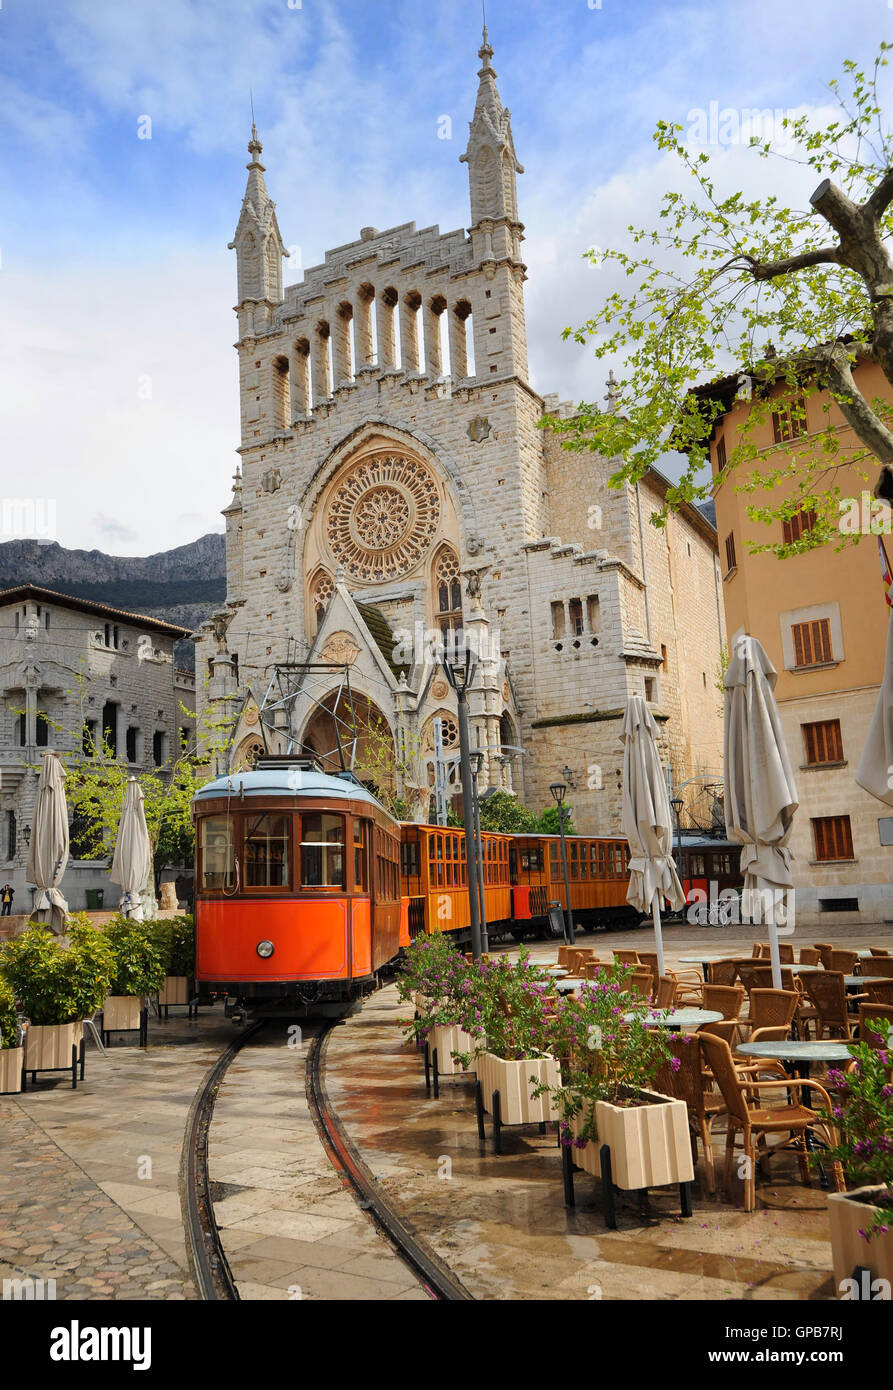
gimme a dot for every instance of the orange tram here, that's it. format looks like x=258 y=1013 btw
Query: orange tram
x=306 y=889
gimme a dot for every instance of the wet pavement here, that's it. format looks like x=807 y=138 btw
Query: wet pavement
x=90 y=1179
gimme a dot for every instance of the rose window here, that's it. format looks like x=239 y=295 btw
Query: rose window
x=383 y=517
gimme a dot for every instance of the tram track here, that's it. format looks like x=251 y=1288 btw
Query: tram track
x=213 y=1276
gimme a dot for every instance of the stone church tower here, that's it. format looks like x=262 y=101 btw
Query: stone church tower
x=395 y=486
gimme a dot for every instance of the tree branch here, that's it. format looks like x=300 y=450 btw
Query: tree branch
x=856 y=410
x=882 y=196
x=769 y=270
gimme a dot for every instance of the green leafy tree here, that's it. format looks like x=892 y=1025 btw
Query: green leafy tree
x=175 y=938
x=548 y=821
x=785 y=301
x=9 y=1021
x=503 y=813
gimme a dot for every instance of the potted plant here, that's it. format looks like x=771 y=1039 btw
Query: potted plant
x=435 y=978
x=609 y=1059
x=12 y=1051
x=507 y=1013
x=57 y=987
x=862 y=1116
x=139 y=970
x=176 y=939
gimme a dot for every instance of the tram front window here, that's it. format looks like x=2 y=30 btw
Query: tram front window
x=266 y=851
x=322 y=851
x=218 y=853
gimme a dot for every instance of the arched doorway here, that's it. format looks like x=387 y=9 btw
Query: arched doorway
x=335 y=723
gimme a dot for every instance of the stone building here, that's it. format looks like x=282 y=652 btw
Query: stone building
x=395 y=484
x=72 y=672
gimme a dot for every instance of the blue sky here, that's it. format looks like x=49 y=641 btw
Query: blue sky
x=117 y=374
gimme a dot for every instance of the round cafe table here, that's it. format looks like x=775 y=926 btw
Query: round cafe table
x=676 y=1019
x=800 y=1055
x=568 y=984
x=854 y=981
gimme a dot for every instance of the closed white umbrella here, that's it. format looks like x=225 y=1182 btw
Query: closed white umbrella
x=48 y=848
x=875 y=772
x=132 y=862
x=760 y=792
x=647 y=820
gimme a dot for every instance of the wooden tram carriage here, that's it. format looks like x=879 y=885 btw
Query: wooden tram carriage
x=306 y=888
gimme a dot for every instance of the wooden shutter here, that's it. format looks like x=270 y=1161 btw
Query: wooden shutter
x=823 y=741
x=730 y=551
x=812 y=642
x=833 y=837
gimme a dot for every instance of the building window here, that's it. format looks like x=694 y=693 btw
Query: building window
x=88 y=738
x=43 y=728
x=663 y=656
x=731 y=562
x=812 y=643
x=360 y=858
x=593 y=616
x=649 y=689
x=720 y=453
x=110 y=727
x=21 y=730
x=789 y=424
x=800 y=524
x=448 y=588
x=823 y=742
x=322 y=851
x=833 y=837
x=132 y=741
x=111 y=635
x=558 y=620
x=575 y=610
x=158 y=748
x=11 y=837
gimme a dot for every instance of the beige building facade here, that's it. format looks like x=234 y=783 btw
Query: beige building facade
x=395 y=484
x=822 y=618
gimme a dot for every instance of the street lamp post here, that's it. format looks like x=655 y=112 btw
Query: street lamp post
x=677 y=804
x=458 y=666
x=558 y=790
x=477 y=763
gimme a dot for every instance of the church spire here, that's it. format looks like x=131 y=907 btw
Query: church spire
x=257 y=241
x=490 y=156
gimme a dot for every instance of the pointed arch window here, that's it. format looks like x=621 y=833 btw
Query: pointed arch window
x=320 y=594
x=447 y=591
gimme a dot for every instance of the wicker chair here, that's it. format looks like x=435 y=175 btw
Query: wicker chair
x=809 y=956
x=828 y=995
x=591 y=969
x=879 y=950
x=756 y=950
x=626 y=957
x=579 y=957
x=844 y=961
x=870 y=1012
x=772 y=1008
x=722 y=972
x=725 y=999
x=824 y=949
x=641 y=982
x=563 y=952
x=665 y=997
x=756 y=1121
x=879 y=965
x=704 y=1104
x=881 y=993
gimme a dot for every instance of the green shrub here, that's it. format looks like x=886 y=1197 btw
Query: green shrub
x=175 y=937
x=139 y=965
x=9 y=1023
x=56 y=983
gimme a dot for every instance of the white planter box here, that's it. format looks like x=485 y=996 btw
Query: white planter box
x=11 y=1061
x=175 y=990
x=449 y=1038
x=650 y=1144
x=121 y=1011
x=512 y=1081
x=848 y=1247
x=48 y=1046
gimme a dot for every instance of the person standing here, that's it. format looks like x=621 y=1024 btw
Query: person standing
x=7 y=893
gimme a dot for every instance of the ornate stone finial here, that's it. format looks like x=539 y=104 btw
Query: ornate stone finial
x=612 y=395
x=255 y=148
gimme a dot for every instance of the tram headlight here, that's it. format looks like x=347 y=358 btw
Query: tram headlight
x=265 y=949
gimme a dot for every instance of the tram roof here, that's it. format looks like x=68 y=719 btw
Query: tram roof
x=278 y=781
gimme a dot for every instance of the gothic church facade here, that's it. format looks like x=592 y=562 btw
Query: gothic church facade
x=395 y=485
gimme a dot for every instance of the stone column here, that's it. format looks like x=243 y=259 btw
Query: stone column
x=363 y=346
x=433 y=350
x=385 y=317
x=458 y=345
x=320 y=364
x=300 y=379
x=409 y=332
x=341 y=364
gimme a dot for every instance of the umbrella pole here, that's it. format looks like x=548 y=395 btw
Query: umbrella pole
x=774 y=956
x=658 y=938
